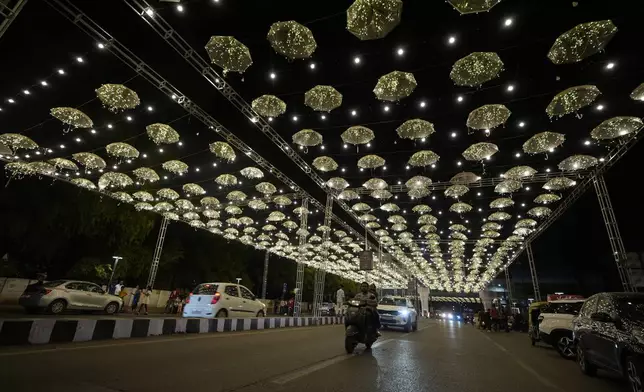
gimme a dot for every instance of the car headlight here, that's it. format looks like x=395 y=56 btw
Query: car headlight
x=450 y=316
x=404 y=312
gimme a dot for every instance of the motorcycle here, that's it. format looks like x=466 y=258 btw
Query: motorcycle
x=358 y=327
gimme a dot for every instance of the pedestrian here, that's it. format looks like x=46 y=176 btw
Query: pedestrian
x=291 y=306
x=145 y=300
x=122 y=294
x=135 y=297
x=118 y=287
x=170 y=302
x=494 y=315
x=339 y=301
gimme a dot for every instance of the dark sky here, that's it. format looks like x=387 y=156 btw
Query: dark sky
x=41 y=41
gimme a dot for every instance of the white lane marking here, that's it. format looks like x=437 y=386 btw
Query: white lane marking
x=527 y=368
x=148 y=341
x=308 y=370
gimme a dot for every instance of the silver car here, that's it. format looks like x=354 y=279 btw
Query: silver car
x=59 y=295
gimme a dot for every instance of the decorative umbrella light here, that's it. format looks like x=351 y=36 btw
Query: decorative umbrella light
x=456 y=191
x=162 y=133
x=348 y=194
x=143 y=206
x=122 y=150
x=426 y=229
x=501 y=202
x=247 y=221
x=223 y=150
x=323 y=98
x=390 y=207
x=143 y=196
x=423 y=158
x=73 y=117
x=233 y=210
x=292 y=40
x=396 y=219
x=617 y=127
x=559 y=183
x=507 y=186
x=168 y=194
x=163 y=206
x=19 y=169
x=170 y=215
x=464 y=178
x=473 y=6
x=371 y=161
x=458 y=236
x=307 y=138
x=229 y=54
x=232 y=231
x=226 y=180
x=519 y=172
x=116 y=98
x=269 y=228
x=543 y=142
x=480 y=151
x=257 y=205
x=42 y=167
x=266 y=188
x=381 y=232
x=289 y=224
x=175 y=166
x=337 y=183
x=529 y=223
x=17 y=142
x=185 y=205
x=325 y=164
x=361 y=207
x=89 y=160
x=193 y=190
x=499 y=216
x=460 y=208
x=522 y=231
x=547 y=198
x=490 y=234
x=638 y=93
x=540 y=212
x=282 y=200
x=210 y=202
x=491 y=226
x=578 y=162
x=457 y=227
x=582 y=41
x=398 y=227
x=395 y=86
x=357 y=135
x=367 y=218
x=571 y=100
x=117 y=180
x=421 y=209
x=477 y=68
x=381 y=194
x=249 y=230
x=145 y=174
x=415 y=129
x=191 y=216
x=488 y=117
x=62 y=163
x=4 y=150
x=375 y=183
x=427 y=220
x=368 y=19
x=251 y=173
x=236 y=196
x=418 y=182
x=268 y=106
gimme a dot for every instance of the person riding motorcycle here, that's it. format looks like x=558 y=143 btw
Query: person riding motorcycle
x=376 y=316
x=370 y=302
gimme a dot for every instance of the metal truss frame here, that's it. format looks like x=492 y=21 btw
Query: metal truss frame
x=9 y=14
x=158 y=249
x=265 y=275
x=508 y=285
x=616 y=243
x=299 y=279
x=320 y=273
x=533 y=273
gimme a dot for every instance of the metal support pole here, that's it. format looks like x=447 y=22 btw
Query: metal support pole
x=265 y=277
x=320 y=273
x=508 y=286
x=616 y=244
x=9 y=10
x=299 y=279
x=533 y=272
x=157 y=252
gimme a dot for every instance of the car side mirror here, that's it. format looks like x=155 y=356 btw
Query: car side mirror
x=602 y=317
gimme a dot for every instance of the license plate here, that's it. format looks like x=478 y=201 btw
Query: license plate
x=196 y=312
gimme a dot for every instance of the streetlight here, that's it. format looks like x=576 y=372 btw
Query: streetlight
x=116 y=261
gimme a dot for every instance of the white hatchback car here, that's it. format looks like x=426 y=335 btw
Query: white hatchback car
x=210 y=300
x=398 y=312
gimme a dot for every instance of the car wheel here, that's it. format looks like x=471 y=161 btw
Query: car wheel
x=349 y=345
x=414 y=326
x=222 y=314
x=586 y=367
x=565 y=346
x=634 y=374
x=408 y=326
x=111 y=308
x=57 y=307
x=260 y=313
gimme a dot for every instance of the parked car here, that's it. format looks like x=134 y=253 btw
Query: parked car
x=209 y=300
x=327 y=309
x=398 y=312
x=59 y=295
x=609 y=334
x=555 y=325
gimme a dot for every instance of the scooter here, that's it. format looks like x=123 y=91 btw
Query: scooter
x=358 y=327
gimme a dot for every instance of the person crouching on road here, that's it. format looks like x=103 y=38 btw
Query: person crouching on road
x=339 y=301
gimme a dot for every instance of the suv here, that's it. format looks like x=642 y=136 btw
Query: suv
x=209 y=300
x=609 y=333
x=555 y=325
x=398 y=312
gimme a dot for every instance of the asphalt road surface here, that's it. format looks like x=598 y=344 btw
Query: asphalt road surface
x=440 y=357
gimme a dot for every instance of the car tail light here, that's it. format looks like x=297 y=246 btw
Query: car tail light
x=45 y=291
x=215 y=299
x=188 y=299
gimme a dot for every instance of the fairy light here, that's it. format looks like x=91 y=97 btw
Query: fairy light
x=44 y=83
x=312 y=65
x=100 y=45
x=80 y=59
x=451 y=40
x=356 y=60
x=508 y=22
x=61 y=71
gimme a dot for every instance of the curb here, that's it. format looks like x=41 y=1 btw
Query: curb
x=44 y=331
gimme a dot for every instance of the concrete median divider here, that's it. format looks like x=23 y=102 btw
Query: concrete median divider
x=64 y=330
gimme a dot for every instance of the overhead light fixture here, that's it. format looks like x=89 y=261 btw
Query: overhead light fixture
x=273 y=76
x=610 y=65
x=508 y=22
x=312 y=65
x=149 y=12
x=599 y=107
x=460 y=98
x=79 y=59
x=61 y=71
x=400 y=51
x=180 y=8
x=356 y=60
x=423 y=104
x=451 y=40
x=510 y=87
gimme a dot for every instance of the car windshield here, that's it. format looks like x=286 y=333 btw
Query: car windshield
x=630 y=308
x=205 y=289
x=54 y=283
x=393 y=301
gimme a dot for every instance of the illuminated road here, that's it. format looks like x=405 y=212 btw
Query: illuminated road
x=440 y=357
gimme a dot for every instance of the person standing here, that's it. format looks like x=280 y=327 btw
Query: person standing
x=136 y=294
x=339 y=301
x=145 y=300
x=122 y=294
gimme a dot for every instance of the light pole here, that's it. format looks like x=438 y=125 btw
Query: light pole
x=238 y=280
x=116 y=261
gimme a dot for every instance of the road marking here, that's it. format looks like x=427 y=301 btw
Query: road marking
x=526 y=367
x=171 y=338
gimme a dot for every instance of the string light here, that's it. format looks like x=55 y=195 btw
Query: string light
x=79 y=59
x=150 y=109
x=508 y=22
x=354 y=113
x=600 y=107
x=610 y=65
x=44 y=83
x=400 y=51
x=323 y=117
x=356 y=60
x=100 y=45
x=129 y=118
x=459 y=98
x=521 y=124
x=451 y=40
x=453 y=134
x=518 y=154
x=312 y=65
x=272 y=75
x=26 y=92
x=110 y=126
x=61 y=71
x=386 y=108
x=422 y=104
x=10 y=100
x=587 y=142
x=295 y=118
x=180 y=8
x=510 y=88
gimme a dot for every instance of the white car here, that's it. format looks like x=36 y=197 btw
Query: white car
x=555 y=325
x=222 y=300
x=398 y=312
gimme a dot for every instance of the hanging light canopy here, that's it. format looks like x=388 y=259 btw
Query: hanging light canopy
x=395 y=86
x=477 y=68
x=73 y=117
x=543 y=142
x=415 y=129
x=368 y=19
x=268 y=106
x=488 y=117
x=571 y=100
x=292 y=40
x=582 y=41
x=323 y=98
x=229 y=54
x=116 y=98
